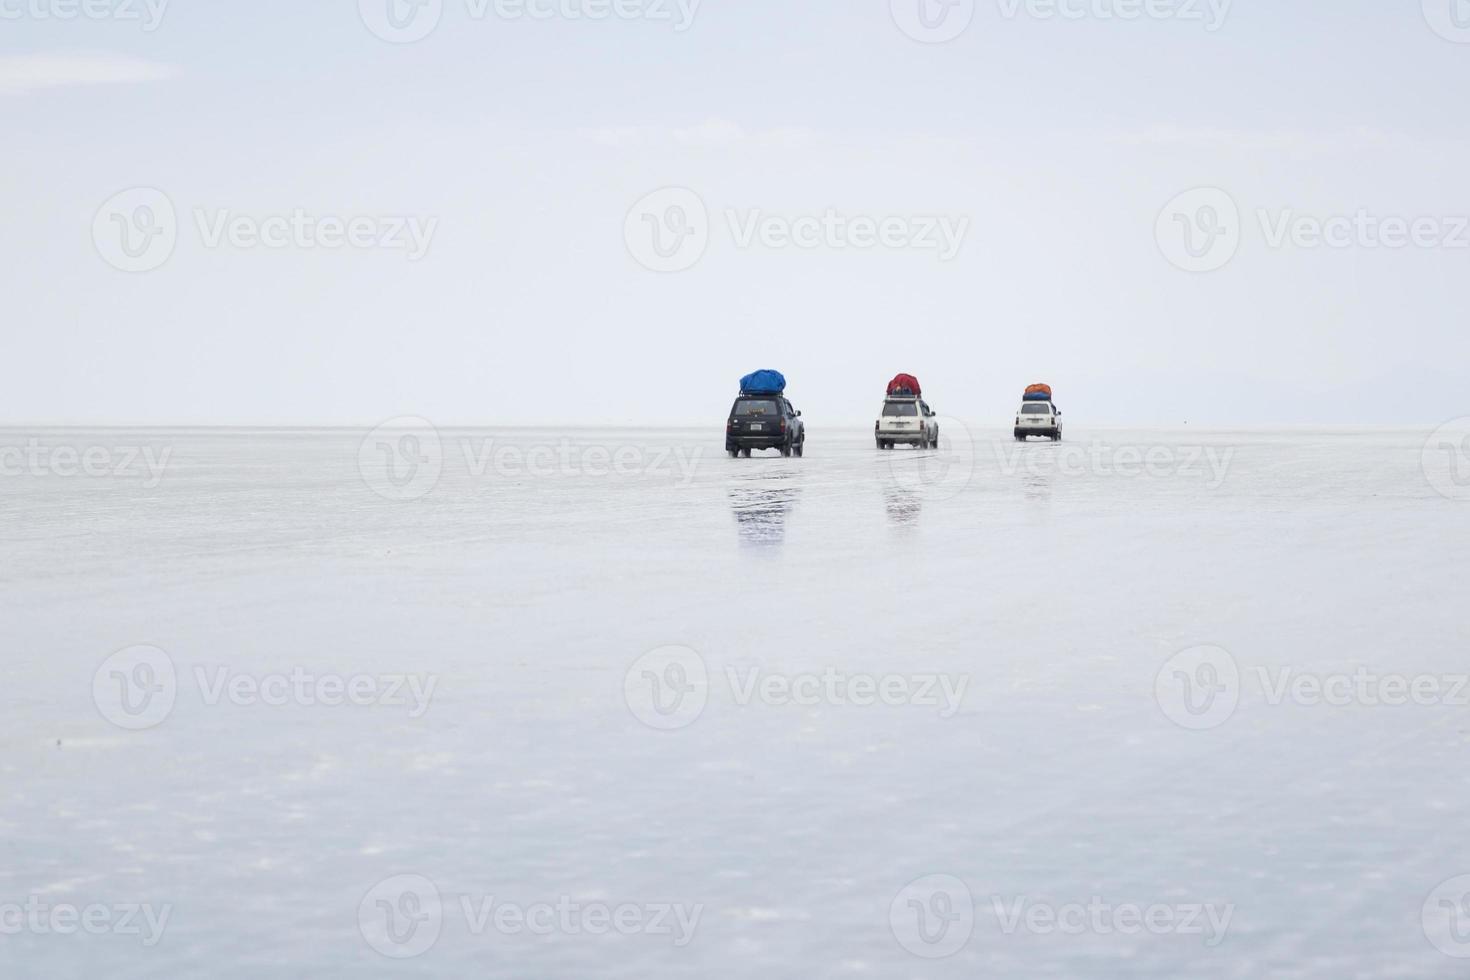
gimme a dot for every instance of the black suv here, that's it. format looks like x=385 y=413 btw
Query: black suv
x=764 y=422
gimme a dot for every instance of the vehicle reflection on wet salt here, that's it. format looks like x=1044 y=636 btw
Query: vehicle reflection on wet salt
x=904 y=506
x=761 y=501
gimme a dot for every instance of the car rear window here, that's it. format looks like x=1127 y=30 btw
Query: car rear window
x=900 y=409
x=1036 y=408
x=756 y=406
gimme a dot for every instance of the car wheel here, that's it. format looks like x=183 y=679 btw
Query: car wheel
x=801 y=447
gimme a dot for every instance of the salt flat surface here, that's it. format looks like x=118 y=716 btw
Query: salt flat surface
x=528 y=588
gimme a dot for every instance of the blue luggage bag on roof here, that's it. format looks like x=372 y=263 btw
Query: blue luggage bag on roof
x=764 y=382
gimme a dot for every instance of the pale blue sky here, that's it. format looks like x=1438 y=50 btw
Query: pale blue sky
x=529 y=141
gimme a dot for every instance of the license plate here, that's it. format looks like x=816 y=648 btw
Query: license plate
x=756 y=426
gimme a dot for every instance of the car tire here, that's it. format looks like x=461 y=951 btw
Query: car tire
x=801 y=447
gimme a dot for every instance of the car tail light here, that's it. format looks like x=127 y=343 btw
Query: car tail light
x=783 y=425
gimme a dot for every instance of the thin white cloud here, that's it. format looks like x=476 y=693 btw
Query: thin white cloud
x=24 y=73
